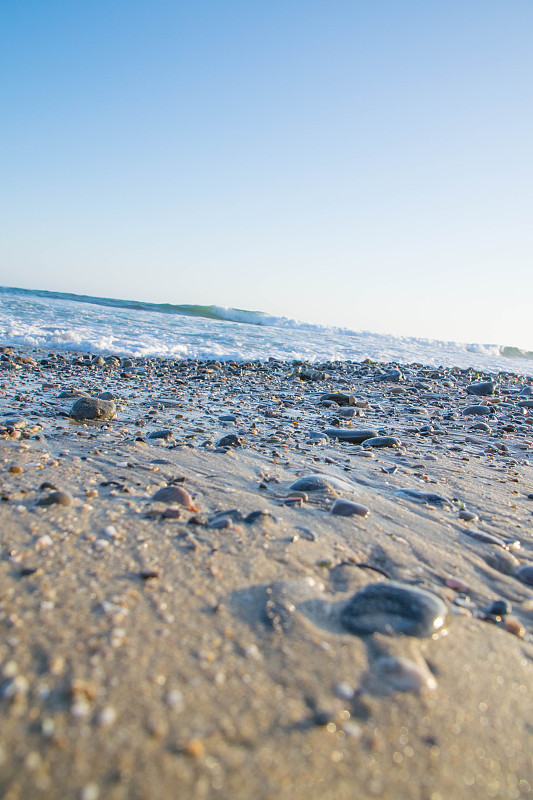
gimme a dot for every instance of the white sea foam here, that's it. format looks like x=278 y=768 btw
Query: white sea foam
x=116 y=327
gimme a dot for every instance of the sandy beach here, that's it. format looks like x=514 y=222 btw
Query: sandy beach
x=196 y=643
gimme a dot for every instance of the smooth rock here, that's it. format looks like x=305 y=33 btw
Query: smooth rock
x=58 y=498
x=422 y=497
x=477 y=411
x=352 y=435
x=345 y=508
x=165 y=433
x=481 y=388
x=174 y=494
x=394 y=608
x=525 y=574
x=93 y=408
x=339 y=398
x=382 y=441
x=231 y=440
x=321 y=483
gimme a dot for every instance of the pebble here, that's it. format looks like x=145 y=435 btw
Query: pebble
x=394 y=608
x=93 y=408
x=382 y=441
x=525 y=574
x=477 y=411
x=174 y=494
x=58 y=498
x=231 y=440
x=468 y=516
x=321 y=483
x=345 y=508
x=339 y=398
x=422 y=497
x=400 y=674
x=481 y=388
x=352 y=435
x=503 y=561
x=165 y=433
x=500 y=608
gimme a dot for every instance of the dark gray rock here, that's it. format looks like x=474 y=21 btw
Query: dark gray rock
x=525 y=574
x=382 y=441
x=352 y=435
x=477 y=411
x=482 y=388
x=231 y=440
x=345 y=508
x=321 y=483
x=394 y=608
x=58 y=498
x=93 y=408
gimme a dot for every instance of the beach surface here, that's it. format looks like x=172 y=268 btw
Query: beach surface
x=176 y=607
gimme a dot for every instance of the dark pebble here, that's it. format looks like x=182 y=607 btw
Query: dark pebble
x=525 y=574
x=165 y=433
x=352 y=435
x=393 y=608
x=345 y=508
x=422 y=497
x=231 y=440
x=481 y=388
x=148 y=574
x=382 y=441
x=339 y=398
x=259 y=516
x=500 y=608
x=477 y=411
x=56 y=499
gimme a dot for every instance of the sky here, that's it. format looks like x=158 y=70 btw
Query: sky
x=362 y=164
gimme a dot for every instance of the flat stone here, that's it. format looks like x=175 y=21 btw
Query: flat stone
x=231 y=440
x=322 y=483
x=422 y=497
x=382 y=441
x=477 y=411
x=352 y=435
x=345 y=508
x=394 y=608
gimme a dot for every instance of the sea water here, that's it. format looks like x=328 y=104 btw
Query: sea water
x=56 y=321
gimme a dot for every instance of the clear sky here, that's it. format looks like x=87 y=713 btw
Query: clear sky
x=365 y=164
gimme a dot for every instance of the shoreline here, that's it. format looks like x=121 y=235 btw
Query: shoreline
x=194 y=646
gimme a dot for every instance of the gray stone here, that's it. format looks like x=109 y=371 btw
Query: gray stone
x=394 y=608
x=93 y=408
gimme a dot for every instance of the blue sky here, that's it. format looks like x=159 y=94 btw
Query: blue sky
x=366 y=164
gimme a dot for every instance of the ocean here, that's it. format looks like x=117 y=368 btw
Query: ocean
x=58 y=321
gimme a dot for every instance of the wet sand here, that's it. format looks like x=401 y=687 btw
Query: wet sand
x=195 y=648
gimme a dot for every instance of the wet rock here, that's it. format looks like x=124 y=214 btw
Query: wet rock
x=352 y=435
x=481 y=388
x=393 y=608
x=486 y=538
x=468 y=516
x=58 y=498
x=525 y=403
x=477 y=411
x=345 y=508
x=525 y=574
x=321 y=483
x=260 y=516
x=106 y=396
x=393 y=375
x=164 y=433
x=382 y=441
x=339 y=398
x=93 y=408
x=231 y=440
x=500 y=608
x=422 y=497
